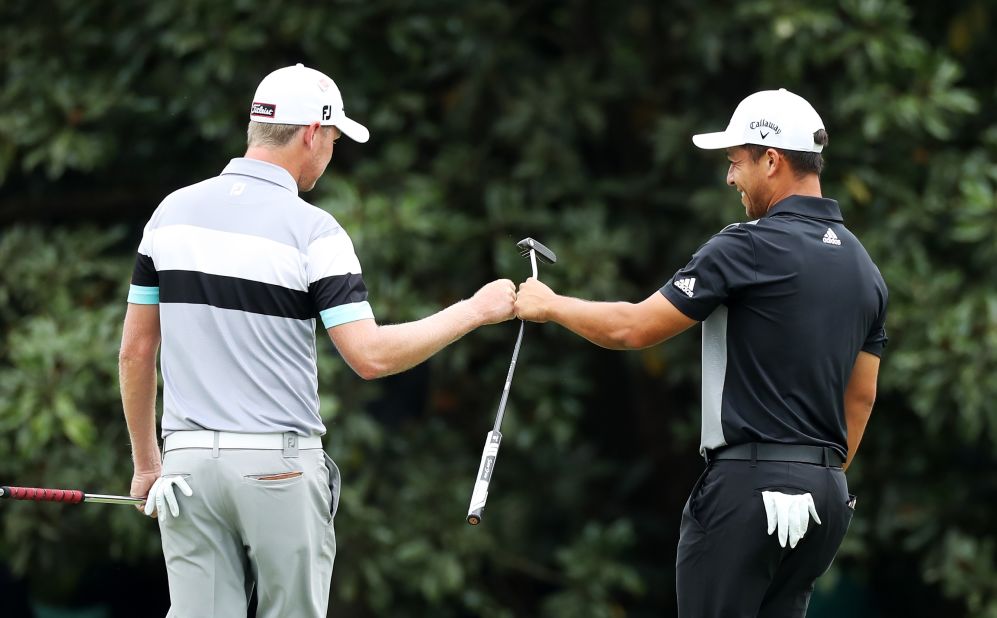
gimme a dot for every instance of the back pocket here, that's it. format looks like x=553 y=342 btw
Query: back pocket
x=335 y=484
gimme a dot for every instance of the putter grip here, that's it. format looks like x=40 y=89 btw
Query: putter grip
x=479 y=496
x=71 y=496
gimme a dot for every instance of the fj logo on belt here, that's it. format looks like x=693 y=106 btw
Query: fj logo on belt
x=290 y=444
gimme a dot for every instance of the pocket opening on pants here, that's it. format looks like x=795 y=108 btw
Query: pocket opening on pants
x=276 y=476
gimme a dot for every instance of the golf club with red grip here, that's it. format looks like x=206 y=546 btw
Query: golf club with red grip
x=68 y=496
x=489 y=454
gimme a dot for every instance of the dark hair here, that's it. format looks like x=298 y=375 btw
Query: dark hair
x=803 y=163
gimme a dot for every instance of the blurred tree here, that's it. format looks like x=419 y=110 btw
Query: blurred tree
x=492 y=121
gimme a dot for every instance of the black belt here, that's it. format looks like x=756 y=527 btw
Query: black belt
x=767 y=451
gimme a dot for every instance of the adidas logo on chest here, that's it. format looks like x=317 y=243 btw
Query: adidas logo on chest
x=830 y=238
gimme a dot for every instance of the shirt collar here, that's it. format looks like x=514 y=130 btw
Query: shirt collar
x=262 y=170
x=806 y=206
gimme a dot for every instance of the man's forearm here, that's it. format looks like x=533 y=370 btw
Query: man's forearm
x=606 y=324
x=857 y=415
x=613 y=325
x=860 y=396
x=138 y=381
x=397 y=347
x=374 y=351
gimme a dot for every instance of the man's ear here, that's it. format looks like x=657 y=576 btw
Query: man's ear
x=773 y=161
x=309 y=135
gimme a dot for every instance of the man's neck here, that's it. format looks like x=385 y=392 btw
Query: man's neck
x=276 y=157
x=808 y=186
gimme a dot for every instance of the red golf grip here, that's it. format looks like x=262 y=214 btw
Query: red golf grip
x=71 y=496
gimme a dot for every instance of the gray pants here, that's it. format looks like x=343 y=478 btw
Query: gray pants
x=239 y=530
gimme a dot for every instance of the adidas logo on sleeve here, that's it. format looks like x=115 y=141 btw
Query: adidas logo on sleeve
x=687 y=285
x=830 y=238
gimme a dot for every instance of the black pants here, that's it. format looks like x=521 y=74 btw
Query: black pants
x=729 y=567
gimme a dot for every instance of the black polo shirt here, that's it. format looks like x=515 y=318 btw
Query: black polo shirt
x=787 y=302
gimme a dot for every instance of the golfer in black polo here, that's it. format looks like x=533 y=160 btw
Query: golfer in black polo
x=793 y=313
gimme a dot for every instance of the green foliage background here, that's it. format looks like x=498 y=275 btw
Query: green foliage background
x=568 y=121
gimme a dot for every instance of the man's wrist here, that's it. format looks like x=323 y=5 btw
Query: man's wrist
x=144 y=470
x=554 y=308
x=468 y=312
x=147 y=460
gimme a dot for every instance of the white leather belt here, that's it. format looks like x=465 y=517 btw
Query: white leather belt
x=233 y=440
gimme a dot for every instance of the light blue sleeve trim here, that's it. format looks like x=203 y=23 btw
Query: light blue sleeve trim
x=334 y=316
x=143 y=295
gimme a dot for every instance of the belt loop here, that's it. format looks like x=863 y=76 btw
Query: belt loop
x=826 y=457
x=754 y=454
x=290 y=444
x=216 y=437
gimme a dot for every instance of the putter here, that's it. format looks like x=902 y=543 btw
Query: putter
x=68 y=496
x=489 y=454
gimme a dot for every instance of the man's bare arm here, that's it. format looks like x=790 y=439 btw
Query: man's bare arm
x=375 y=351
x=137 y=376
x=860 y=395
x=613 y=325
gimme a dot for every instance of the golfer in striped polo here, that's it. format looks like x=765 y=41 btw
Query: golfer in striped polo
x=230 y=276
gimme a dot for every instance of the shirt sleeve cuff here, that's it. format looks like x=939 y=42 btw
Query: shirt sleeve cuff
x=350 y=312
x=876 y=349
x=682 y=303
x=143 y=295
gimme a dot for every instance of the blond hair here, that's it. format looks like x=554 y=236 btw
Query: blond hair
x=268 y=134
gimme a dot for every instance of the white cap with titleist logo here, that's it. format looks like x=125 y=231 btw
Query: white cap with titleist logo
x=775 y=118
x=299 y=95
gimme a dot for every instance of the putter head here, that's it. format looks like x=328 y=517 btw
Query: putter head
x=543 y=253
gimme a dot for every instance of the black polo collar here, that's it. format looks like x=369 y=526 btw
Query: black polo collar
x=805 y=206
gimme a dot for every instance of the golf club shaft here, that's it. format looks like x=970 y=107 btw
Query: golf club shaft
x=68 y=496
x=107 y=499
x=500 y=414
x=489 y=454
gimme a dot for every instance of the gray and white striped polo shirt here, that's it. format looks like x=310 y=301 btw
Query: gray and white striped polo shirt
x=240 y=267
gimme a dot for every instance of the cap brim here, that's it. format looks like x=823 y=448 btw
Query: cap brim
x=716 y=141
x=353 y=130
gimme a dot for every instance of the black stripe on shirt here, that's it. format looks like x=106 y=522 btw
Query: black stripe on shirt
x=338 y=290
x=145 y=273
x=186 y=286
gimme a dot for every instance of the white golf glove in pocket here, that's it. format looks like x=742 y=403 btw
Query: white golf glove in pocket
x=161 y=494
x=790 y=514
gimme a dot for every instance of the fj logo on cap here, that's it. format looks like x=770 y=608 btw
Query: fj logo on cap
x=263 y=109
x=326 y=112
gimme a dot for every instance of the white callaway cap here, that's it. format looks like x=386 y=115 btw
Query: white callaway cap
x=775 y=118
x=299 y=95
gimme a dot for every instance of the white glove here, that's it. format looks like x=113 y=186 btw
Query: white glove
x=162 y=494
x=790 y=513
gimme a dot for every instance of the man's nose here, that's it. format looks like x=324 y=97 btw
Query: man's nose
x=730 y=176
